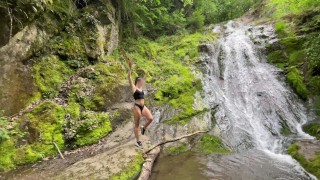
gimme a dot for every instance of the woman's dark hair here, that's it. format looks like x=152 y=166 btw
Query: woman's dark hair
x=136 y=81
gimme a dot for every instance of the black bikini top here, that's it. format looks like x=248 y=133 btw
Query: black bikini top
x=138 y=95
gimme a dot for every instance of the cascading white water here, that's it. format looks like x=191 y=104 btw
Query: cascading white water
x=254 y=104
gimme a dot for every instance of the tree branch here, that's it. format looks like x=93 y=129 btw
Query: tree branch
x=11 y=22
x=174 y=139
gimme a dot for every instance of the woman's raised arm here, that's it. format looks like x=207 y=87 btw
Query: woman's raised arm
x=133 y=87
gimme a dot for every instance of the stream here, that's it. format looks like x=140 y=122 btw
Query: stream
x=255 y=106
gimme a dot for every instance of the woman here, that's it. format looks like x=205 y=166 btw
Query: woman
x=139 y=108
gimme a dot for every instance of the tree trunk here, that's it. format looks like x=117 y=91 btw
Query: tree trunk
x=148 y=163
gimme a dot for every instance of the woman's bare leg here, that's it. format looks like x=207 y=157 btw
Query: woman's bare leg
x=137 y=115
x=146 y=113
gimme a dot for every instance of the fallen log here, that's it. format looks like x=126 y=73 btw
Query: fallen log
x=148 y=163
x=152 y=153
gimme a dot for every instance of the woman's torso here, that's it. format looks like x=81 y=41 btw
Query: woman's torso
x=139 y=96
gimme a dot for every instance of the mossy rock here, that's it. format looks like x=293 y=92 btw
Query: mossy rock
x=314 y=85
x=277 y=57
x=41 y=127
x=90 y=128
x=296 y=82
x=292 y=44
x=297 y=57
x=49 y=73
x=311 y=165
x=98 y=87
x=211 y=144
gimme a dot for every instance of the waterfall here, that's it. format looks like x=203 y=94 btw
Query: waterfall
x=254 y=103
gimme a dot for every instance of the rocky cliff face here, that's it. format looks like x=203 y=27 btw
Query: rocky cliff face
x=57 y=83
x=81 y=40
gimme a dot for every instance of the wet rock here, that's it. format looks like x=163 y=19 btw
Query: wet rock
x=206 y=48
x=308 y=148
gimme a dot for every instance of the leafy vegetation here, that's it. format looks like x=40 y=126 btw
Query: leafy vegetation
x=166 y=62
x=287 y=7
x=34 y=134
x=154 y=18
x=4 y=133
x=313 y=129
x=297 y=51
x=311 y=165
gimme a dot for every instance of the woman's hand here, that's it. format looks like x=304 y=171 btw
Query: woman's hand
x=130 y=63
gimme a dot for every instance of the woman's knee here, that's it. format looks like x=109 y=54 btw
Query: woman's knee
x=150 y=119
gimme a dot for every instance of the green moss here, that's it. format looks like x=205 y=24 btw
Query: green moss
x=313 y=129
x=174 y=150
x=43 y=126
x=93 y=127
x=277 y=57
x=297 y=57
x=212 y=144
x=167 y=62
x=35 y=97
x=73 y=110
x=317 y=105
x=8 y=155
x=296 y=82
x=299 y=45
x=132 y=170
x=311 y=165
x=292 y=44
x=49 y=74
x=310 y=21
x=314 y=85
x=281 y=28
